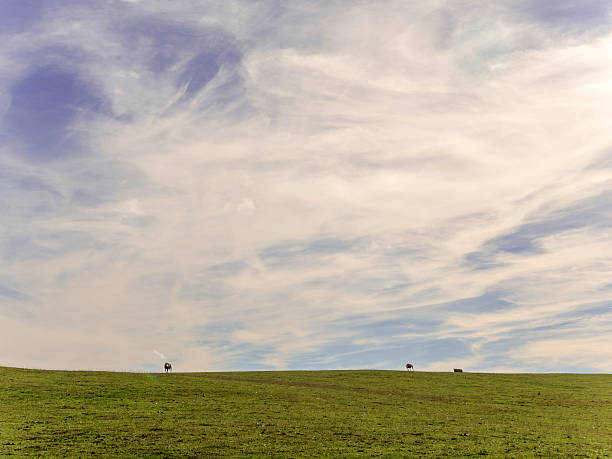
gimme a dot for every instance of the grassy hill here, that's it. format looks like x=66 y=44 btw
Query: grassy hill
x=326 y=413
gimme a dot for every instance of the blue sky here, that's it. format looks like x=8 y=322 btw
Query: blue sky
x=306 y=185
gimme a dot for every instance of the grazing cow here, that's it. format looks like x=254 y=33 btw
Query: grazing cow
x=409 y=367
x=167 y=366
x=458 y=370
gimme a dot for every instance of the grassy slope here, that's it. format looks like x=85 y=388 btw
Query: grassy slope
x=333 y=413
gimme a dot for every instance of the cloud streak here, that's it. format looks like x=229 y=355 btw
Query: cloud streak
x=317 y=186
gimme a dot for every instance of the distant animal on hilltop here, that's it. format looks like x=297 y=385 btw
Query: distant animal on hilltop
x=167 y=366
x=458 y=370
x=409 y=367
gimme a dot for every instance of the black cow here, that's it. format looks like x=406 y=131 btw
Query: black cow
x=167 y=367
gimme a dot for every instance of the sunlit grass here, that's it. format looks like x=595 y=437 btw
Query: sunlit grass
x=328 y=413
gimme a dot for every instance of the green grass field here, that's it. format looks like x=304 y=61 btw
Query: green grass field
x=293 y=414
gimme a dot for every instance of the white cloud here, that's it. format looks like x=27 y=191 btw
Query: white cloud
x=246 y=207
x=590 y=352
x=159 y=354
x=372 y=148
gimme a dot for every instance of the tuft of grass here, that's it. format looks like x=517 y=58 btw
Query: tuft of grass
x=300 y=413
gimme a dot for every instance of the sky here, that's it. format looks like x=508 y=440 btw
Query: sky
x=237 y=185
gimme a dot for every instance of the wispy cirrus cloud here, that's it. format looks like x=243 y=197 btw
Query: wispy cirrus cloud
x=245 y=186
